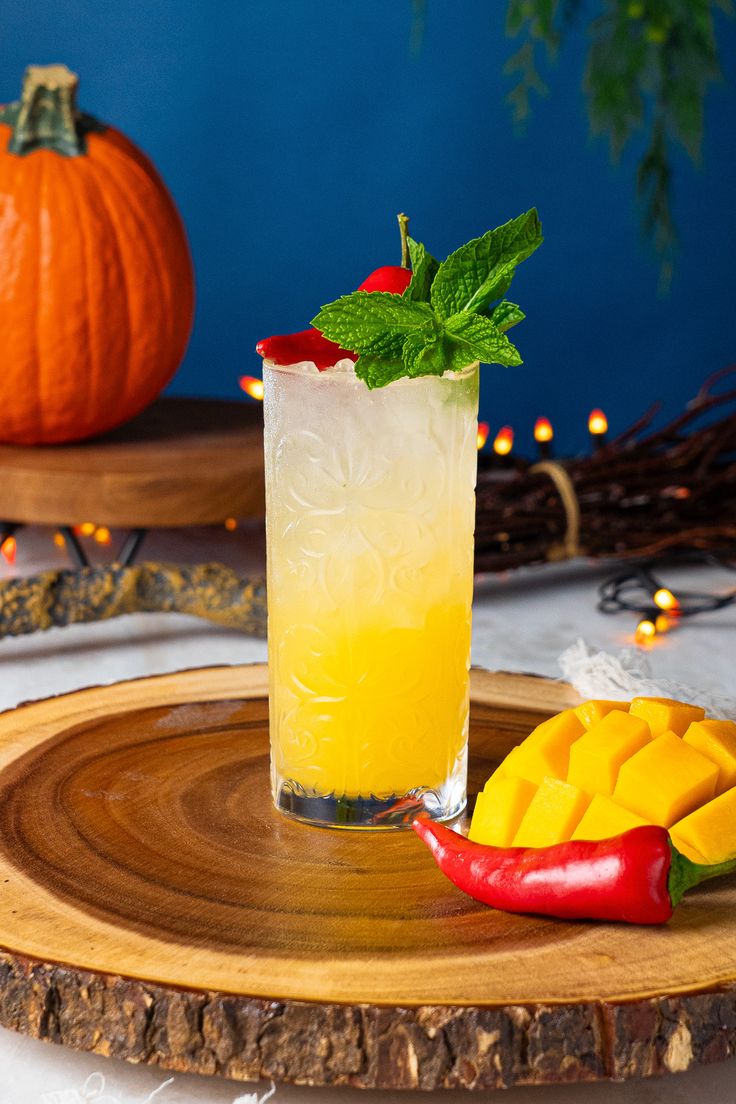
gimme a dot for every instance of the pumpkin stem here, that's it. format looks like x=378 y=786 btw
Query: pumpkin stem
x=47 y=116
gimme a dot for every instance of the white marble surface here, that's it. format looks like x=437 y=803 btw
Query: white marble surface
x=40 y=1073
x=522 y=623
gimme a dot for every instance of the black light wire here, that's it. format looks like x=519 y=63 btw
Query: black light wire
x=633 y=591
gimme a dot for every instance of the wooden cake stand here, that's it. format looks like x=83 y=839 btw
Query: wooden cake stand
x=182 y=462
x=155 y=907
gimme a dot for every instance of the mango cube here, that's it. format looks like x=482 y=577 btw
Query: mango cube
x=546 y=751
x=499 y=809
x=707 y=835
x=596 y=757
x=689 y=852
x=591 y=712
x=665 y=715
x=604 y=818
x=505 y=769
x=552 y=815
x=665 y=780
x=717 y=741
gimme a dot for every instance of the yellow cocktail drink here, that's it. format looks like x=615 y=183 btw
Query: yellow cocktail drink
x=370 y=516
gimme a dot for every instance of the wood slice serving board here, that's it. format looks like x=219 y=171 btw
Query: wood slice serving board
x=153 y=906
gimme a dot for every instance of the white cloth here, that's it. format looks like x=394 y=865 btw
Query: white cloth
x=522 y=622
x=596 y=674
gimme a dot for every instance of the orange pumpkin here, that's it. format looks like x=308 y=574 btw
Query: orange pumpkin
x=96 y=281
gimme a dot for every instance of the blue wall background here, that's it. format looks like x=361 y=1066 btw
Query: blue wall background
x=291 y=132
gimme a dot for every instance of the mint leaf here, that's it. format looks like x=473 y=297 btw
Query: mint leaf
x=440 y=353
x=416 y=345
x=504 y=285
x=425 y=360
x=481 y=339
x=378 y=371
x=418 y=340
x=365 y=321
x=388 y=343
x=506 y=315
x=472 y=277
x=423 y=271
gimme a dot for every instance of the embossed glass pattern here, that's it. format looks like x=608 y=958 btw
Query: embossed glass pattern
x=370 y=516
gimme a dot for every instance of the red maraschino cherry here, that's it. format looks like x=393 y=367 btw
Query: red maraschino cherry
x=310 y=345
x=391 y=278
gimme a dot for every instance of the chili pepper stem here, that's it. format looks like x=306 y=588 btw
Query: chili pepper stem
x=404 y=230
x=685 y=874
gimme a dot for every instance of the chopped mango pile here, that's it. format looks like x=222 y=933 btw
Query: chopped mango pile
x=607 y=766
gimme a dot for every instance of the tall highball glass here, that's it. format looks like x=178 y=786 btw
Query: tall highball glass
x=370 y=509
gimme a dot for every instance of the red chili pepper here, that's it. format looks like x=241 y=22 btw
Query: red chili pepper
x=637 y=877
x=305 y=345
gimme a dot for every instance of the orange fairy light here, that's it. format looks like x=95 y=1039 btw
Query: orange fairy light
x=86 y=529
x=504 y=441
x=663 y=623
x=483 y=430
x=646 y=631
x=103 y=535
x=59 y=539
x=666 y=600
x=231 y=524
x=543 y=434
x=597 y=423
x=9 y=547
x=597 y=428
x=253 y=386
x=543 y=430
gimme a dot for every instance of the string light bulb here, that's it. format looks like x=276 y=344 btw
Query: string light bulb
x=597 y=423
x=482 y=436
x=646 y=631
x=504 y=441
x=543 y=430
x=9 y=548
x=665 y=599
x=59 y=539
x=543 y=434
x=231 y=524
x=253 y=386
x=103 y=535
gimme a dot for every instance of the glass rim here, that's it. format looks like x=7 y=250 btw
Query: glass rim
x=329 y=374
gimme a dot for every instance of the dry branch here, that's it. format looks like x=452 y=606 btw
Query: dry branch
x=67 y=597
x=641 y=495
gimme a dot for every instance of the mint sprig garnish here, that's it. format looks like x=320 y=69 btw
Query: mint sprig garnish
x=446 y=317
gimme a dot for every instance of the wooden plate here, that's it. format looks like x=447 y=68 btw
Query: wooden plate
x=155 y=907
